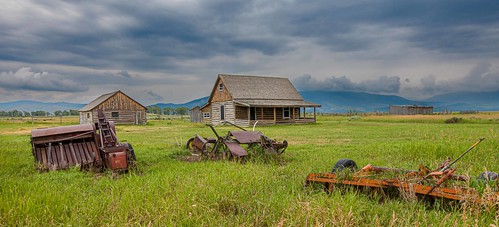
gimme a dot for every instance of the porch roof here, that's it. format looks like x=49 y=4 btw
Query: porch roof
x=275 y=103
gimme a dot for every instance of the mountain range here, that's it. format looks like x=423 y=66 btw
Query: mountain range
x=331 y=101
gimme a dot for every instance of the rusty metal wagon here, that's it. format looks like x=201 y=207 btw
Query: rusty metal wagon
x=86 y=145
x=230 y=144
x=441 y=182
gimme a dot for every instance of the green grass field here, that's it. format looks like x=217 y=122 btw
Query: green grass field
x=165 y=190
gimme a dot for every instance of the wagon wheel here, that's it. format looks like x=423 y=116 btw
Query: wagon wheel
x=194 y=150
x=208 y=150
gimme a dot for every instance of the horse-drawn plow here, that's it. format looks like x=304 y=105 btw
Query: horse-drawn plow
x=230 y=144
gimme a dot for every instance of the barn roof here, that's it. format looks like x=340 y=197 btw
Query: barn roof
x=259 y=87
x=90 y=106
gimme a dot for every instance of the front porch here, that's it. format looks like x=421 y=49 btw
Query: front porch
x=247 y=116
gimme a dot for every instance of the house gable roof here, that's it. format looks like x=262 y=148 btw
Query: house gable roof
x=258 y=87
x=90 y=106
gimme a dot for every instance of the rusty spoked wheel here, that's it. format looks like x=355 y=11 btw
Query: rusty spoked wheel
x=208 y=150
x=194 y=150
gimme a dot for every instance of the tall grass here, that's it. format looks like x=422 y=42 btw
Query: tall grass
x=165 y=190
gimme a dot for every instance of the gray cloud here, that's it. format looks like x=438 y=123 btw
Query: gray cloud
x=118 y=44
x=154 y=97
x=26 y=79
x=383 y=84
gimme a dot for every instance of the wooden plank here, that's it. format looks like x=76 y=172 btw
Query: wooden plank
x=62 y=154
x=39 y=155
x=87 y=153
x=69 y=155
x=50 y=161
x=90 y=151
x=44 y=156
x=82 y=154
x=55 y=156
x=95 y=150
x=73 y=154
x=77 y=153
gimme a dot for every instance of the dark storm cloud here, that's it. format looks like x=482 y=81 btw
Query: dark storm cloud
x=481 y=78
x=26 y=79
x=382 y=84
x=458 y=27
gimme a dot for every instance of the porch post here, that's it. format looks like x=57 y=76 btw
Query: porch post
x=261 y=108
x=315 y=119
x=275 y=116
x=249 y=116
x=293 y=114
x=304 y=112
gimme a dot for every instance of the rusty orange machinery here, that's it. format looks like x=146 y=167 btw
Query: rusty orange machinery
x=86 y=145
x=436 y=184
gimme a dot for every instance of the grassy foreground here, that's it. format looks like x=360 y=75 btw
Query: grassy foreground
x=165 y=190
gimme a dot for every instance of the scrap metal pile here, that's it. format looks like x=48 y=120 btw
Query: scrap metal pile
x=230 y=144
x=439 y=183
x=86 y=145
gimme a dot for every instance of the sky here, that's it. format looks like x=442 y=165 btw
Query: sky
x=173 y=50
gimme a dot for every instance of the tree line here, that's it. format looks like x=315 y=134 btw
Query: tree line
x=38 y=113
x=168 y=110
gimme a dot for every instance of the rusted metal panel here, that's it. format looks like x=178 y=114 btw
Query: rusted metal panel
x=236 y=149
x=246 y=137
x=35 y=133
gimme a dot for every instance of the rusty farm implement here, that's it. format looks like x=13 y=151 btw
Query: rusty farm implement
x=87 y=145
x=230 y=144
x=442 y=182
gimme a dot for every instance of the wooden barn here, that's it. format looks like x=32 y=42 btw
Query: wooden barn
x=243 y=100
x=117 y=107
x=410 y=109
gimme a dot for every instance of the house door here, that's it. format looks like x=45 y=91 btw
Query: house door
x=252 y=113
x=222 y=112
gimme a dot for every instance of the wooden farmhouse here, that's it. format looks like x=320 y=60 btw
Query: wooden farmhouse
x=117 y=107
x=243 y=100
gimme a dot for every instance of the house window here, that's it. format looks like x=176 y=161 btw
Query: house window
x=285 y=112
x=115 y=114
x=220 y=87
x=88 y=115
x=206 y=114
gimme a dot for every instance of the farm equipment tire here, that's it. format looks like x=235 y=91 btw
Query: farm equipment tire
x=344 y=163
x=132 y=152
x=489 y=176
x=192 y=148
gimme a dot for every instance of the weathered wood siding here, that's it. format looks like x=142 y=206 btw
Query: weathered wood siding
x=229 y=112
x=124 y=116
x=129 y=111
x=205 y=109
x=86 y=117
x=120 y=102
x=196 y=115
x=220 y=96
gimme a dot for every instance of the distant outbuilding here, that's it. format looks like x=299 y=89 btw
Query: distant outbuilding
x=244 y=100
x=410 y=109
x=117 y=107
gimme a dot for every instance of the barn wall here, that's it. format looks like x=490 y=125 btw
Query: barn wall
x=86 y=117
x=196 y=115
x=411 y=110
x=124 y=116
x=120 y=101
